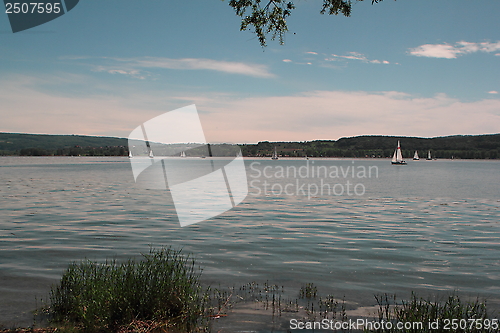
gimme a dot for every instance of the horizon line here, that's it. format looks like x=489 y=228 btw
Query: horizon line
x=250 y=143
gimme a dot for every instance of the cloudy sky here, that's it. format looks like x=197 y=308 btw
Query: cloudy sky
x=411 y=68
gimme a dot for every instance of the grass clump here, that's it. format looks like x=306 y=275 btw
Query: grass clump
x=308 y=291
x=161 y=287
x=448 y=315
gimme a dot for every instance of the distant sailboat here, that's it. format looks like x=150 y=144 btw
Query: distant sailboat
x=415 y=157
x=151 y=153
x=429 y=158
x=275 y=154
x=130 y=154
x=397 y=158
x=183 y=154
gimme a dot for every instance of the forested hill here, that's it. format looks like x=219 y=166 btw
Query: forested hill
x=65 y=145
x=460 y=146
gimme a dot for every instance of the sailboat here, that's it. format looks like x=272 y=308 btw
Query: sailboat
x=397 y=158
x=275 y=154
x=415 y=157
x=429 y=158
x=183 y=154
x=151 y=153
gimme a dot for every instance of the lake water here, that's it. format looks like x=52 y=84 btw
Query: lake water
x=431 y=226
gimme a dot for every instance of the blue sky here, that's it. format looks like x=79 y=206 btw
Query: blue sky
x=413 y=68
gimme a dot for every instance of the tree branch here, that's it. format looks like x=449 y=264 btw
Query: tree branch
x=271 y=21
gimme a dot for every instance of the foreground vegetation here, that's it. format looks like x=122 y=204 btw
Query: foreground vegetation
x=161 y=292
x=424 y=315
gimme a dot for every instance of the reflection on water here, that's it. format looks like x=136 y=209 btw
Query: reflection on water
x=428 y=226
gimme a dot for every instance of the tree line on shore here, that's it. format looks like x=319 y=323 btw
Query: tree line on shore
x=459 y=147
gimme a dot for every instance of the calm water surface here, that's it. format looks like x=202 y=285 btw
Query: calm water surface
x=431 y=226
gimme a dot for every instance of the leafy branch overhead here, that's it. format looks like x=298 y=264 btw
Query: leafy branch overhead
x=268 y=17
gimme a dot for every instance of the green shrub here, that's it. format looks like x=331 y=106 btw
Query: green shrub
x=449 y=315
x=162 y=287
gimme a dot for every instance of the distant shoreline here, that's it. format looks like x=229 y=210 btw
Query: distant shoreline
x=485 y=146
x=260 y=158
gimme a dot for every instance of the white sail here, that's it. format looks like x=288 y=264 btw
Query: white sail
x=151 y=153
x=183 y=154
x=429 y=155
x=415 y=157
x=275 y=154
x=397 y=158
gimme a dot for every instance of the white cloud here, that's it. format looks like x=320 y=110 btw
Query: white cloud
x=134 y=66
x=435 y=51
x=448 y=51
x=231 y=67
x=340 y=61
x=493 y=92
x=352 y=56
x=332 y=114
x=355 y=56
x=131 y=72
x=117 y=71
x=489 y=47
x=297 y=63
x=26 y=106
